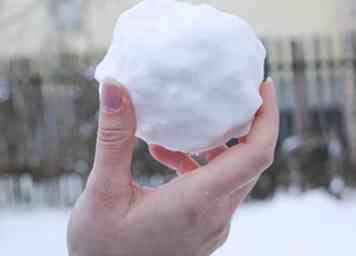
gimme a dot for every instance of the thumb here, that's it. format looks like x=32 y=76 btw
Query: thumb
x=115 y=140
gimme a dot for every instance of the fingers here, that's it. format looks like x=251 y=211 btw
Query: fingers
x=115 y=140
x=238 y=165
x=176 y=160
x=238 y=196
x=265 y=128
x=212 y=154
x=179 y=161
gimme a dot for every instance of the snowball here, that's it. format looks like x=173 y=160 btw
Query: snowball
x=193 y=73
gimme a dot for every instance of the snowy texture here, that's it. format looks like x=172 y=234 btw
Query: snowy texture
x=309 y=225
x=192 y=71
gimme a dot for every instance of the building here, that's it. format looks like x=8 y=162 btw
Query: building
x=30 y=27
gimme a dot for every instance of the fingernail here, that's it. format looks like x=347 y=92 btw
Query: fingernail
x=269 y=81
x=111 y=97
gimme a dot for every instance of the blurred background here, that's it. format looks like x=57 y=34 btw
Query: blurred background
x=49 y=109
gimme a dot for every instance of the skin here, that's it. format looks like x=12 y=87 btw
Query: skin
x=190 y=215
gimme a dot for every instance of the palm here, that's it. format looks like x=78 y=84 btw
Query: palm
x=188 y=216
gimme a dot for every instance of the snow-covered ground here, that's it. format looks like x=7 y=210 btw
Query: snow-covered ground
x=308 y=225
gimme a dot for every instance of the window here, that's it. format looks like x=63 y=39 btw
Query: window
x=65 y=14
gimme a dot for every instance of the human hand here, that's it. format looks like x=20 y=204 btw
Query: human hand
x=190 y=215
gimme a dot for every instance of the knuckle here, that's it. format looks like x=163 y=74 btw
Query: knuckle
x=219 y=233
x=107 y=197
x=192 y=215
x=110 y=136
x=224 y=235
x=265 y=157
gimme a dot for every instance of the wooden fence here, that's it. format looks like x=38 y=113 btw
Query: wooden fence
x=48 y=116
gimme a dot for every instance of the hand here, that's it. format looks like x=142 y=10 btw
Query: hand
x=190 y=215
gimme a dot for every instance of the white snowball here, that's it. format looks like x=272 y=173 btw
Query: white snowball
x=192 y=71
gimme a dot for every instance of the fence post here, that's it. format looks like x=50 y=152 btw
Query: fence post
x=350 y=100
x=27 y=120
x=299 y=77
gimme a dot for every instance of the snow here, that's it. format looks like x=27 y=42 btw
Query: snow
x=33 y=232
x=193 y=73
x=305 y=225
x=314 y=224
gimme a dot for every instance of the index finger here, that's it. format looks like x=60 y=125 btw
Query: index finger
x=254 y=154
x=265 y=127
